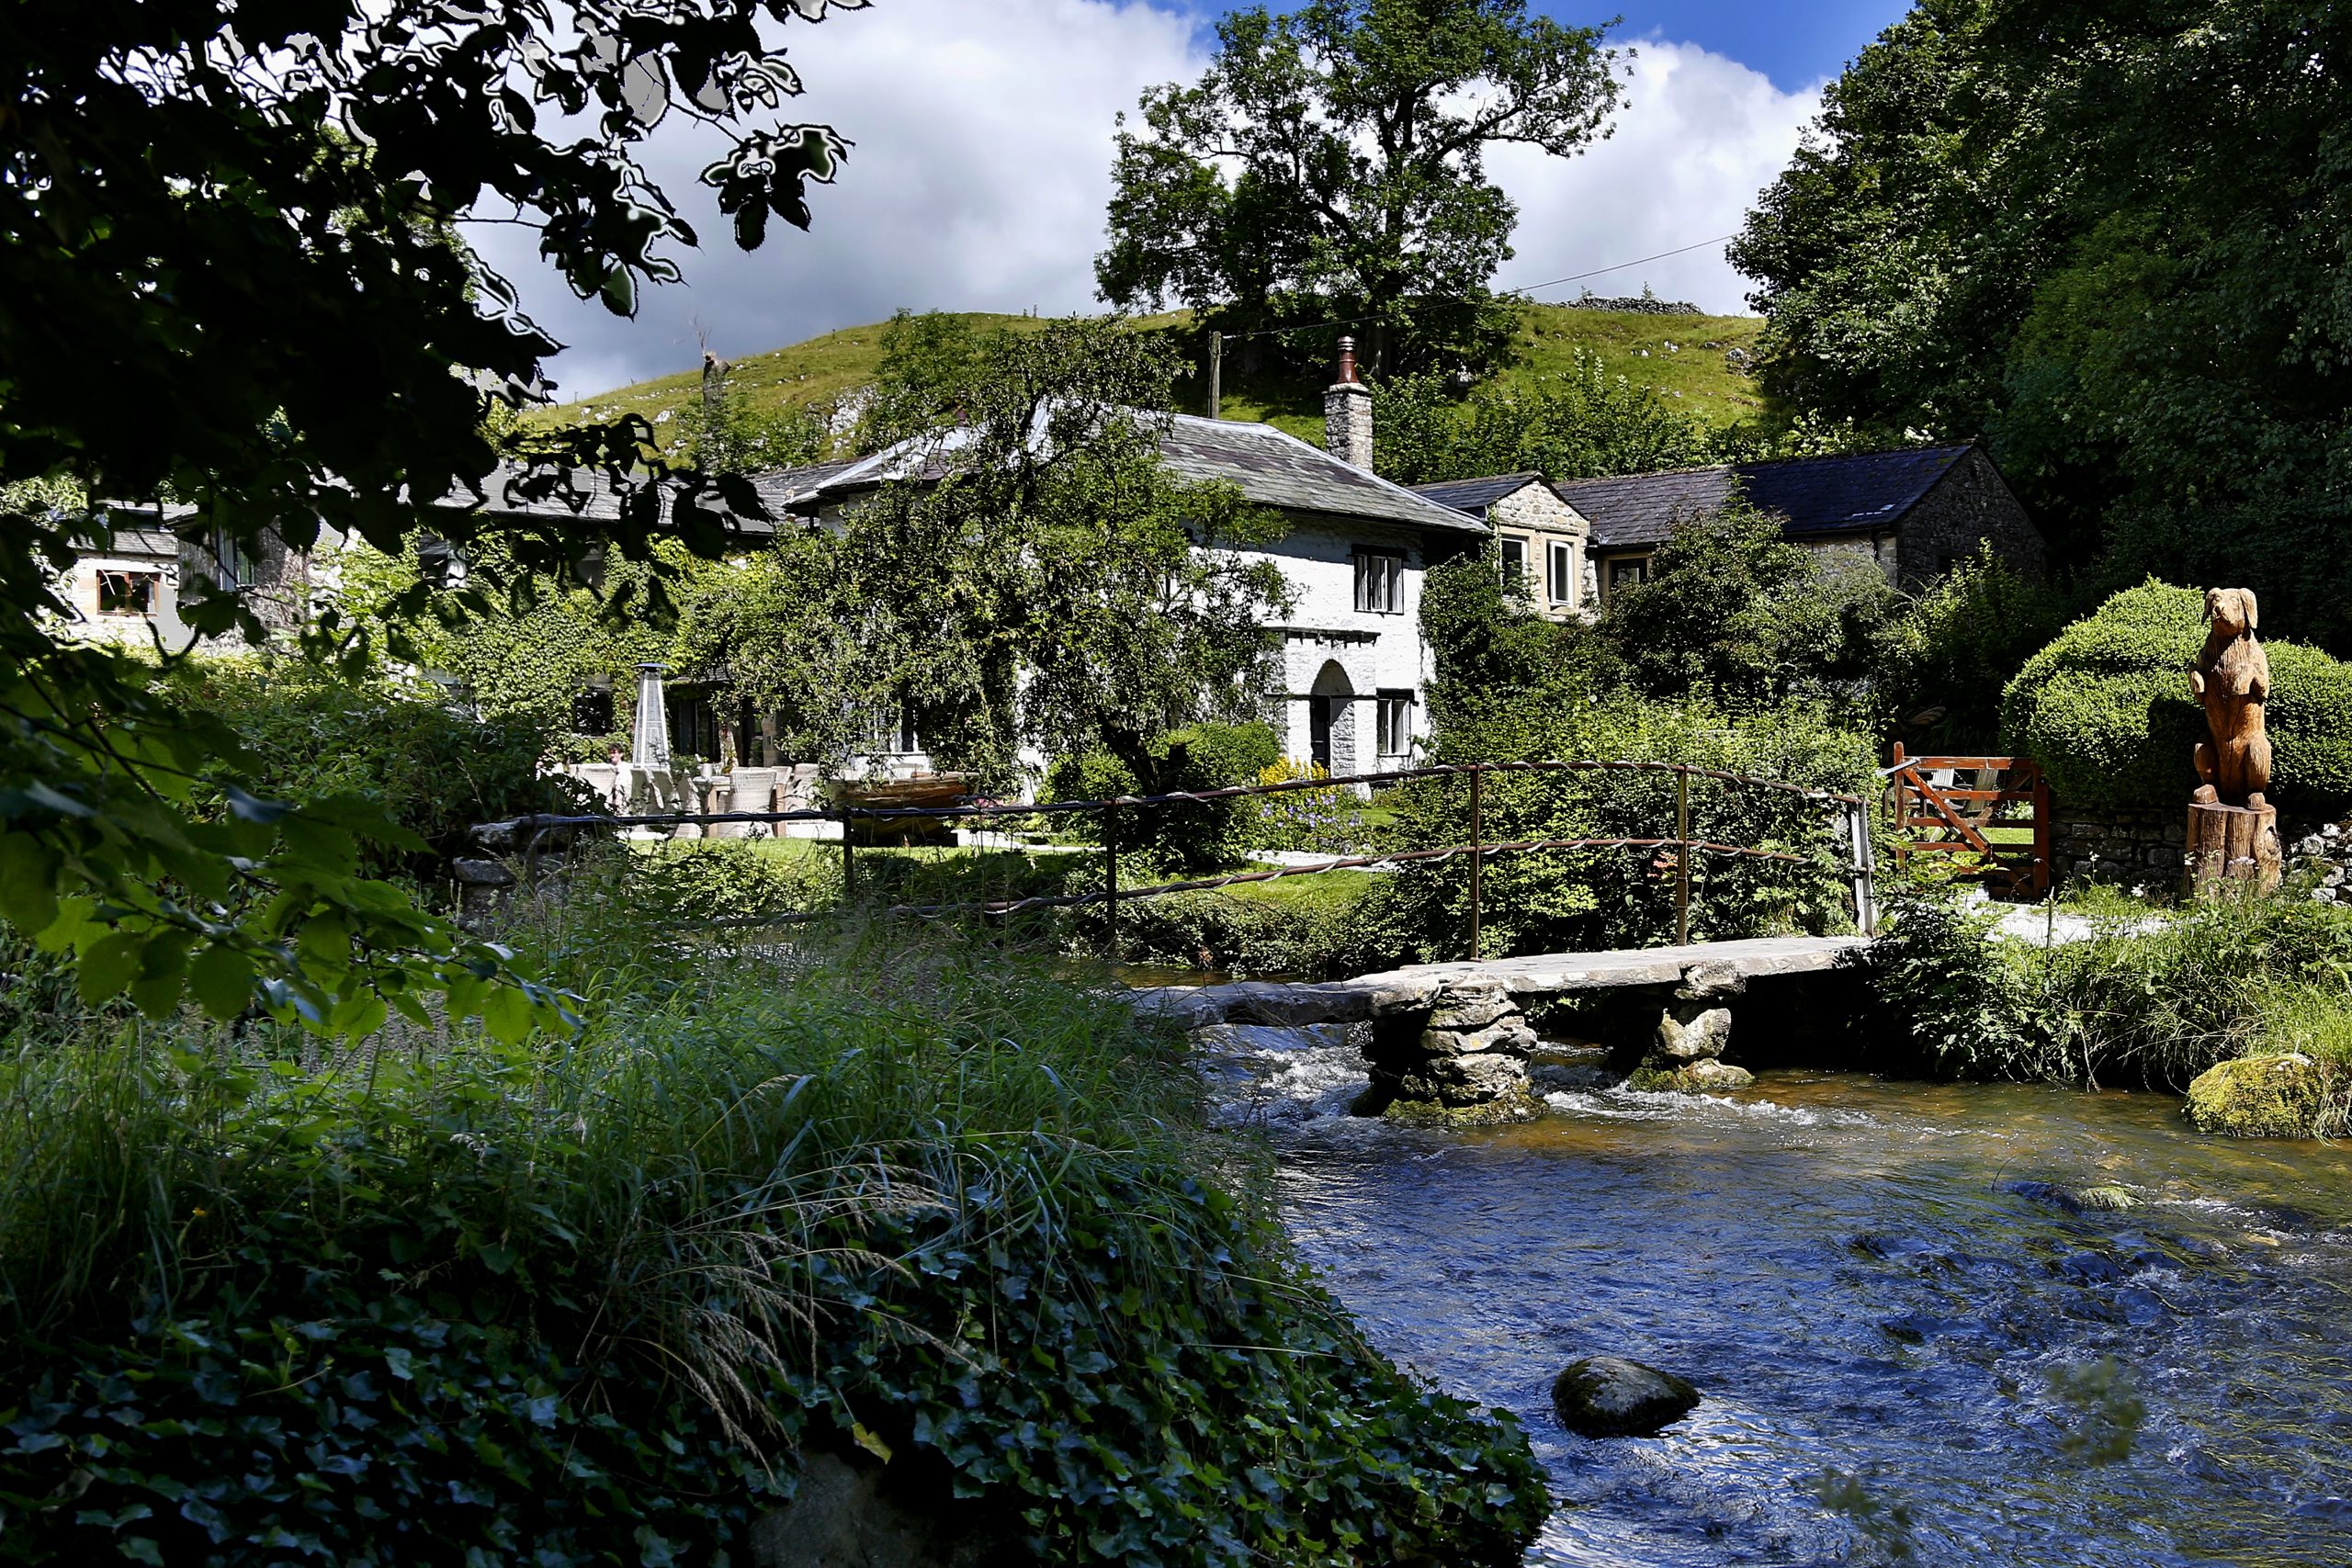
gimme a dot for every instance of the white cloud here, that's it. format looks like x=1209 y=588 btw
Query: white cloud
x=1699 y=136
x=982 y=166
x=979 y=179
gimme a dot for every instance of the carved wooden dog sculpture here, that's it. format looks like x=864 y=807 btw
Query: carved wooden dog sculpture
x=2232 y=679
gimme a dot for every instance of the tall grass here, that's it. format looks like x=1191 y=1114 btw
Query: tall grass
x=890 y=1191
x=2131 y=1007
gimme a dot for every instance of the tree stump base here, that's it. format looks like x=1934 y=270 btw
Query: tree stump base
x=2232 y=844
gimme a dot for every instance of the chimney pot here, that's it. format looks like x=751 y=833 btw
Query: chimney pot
x=1346 y=414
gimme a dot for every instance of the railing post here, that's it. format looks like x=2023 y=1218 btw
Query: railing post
x=1681 y=859
x=849 y=863
x=1858 y=832
x=1477 y=859
x=1110 y=883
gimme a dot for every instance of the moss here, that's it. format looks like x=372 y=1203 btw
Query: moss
x=1694 y=1078
x=1428 y=1113
x=2259 y=1097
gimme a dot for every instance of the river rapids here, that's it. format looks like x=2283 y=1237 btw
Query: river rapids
x=1919 y=1343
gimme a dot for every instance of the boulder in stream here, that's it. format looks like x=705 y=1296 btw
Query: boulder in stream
x=2258 y=1097
x=1609 y=1396
x=1695 y=1077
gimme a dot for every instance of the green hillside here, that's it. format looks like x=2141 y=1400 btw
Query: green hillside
x=1685 y=357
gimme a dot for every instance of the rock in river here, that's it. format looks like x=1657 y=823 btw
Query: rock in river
x=1608 y=1396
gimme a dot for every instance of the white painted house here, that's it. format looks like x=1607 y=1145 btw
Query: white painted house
x=1353 y=664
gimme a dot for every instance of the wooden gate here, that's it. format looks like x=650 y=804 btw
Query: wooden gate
x=1991 y=815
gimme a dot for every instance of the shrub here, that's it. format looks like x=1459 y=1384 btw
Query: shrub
x=1552 y=901
x=1190 y=837
x=2105 y=708
x=2129 y=1006
x=1734 y=611
x=1943 y=659
x=433 y=769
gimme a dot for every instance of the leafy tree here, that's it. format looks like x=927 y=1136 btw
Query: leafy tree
x=1578 y=423
x=1331 y=162
x=238 y=216
x=1032 y=575
x=2112 y=240
x=1735 y=610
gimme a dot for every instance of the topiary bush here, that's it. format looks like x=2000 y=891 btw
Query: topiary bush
x=2105 y=708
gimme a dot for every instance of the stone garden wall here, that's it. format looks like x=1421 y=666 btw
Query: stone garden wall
x=2146 y=847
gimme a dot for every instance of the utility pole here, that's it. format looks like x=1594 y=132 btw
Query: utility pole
x=1216 y=373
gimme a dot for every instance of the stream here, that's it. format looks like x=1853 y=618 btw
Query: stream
x=1916 y=1342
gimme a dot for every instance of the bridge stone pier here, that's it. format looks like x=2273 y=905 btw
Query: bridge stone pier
x=1450 y=1042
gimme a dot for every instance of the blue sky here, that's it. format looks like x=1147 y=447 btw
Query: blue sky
x=1794 y=42
x=982 y=133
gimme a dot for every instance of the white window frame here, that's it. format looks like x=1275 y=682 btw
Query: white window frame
x=1380 y=580
x=234 y=568
x=1394 y=721
x=1514 y=581
x=1560 y=574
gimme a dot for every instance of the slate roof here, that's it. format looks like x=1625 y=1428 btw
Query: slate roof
x=1641 y=509
x=1813 y=495
x=1275 y=470
x=598 y=502
x=1474 y=496
x=1266 y=465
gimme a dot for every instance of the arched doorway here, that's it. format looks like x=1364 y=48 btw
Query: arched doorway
x=1331 y=720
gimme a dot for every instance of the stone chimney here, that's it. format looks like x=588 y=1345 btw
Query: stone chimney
x=1346 y=414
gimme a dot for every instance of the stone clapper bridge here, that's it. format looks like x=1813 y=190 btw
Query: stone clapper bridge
x=1447 y=1040
x=1450 y=1042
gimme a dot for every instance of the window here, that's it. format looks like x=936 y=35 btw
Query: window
x=591 y=706
x=438 y=562
x=233 y=564
x=1514 y=564
x=1627 y=571
x=1380 y=581
x=1396 y=723
x=1562 y=583
x=889 y=734
x=127 y=592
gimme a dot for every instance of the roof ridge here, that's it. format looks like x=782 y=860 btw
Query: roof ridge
x=1842 y=457
x=1647 y=474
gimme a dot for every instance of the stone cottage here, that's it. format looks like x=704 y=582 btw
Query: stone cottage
x=126 y=584
x=1545 y=544
x=1911 y=512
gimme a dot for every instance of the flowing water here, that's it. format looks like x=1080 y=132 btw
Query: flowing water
x=1917 y=1344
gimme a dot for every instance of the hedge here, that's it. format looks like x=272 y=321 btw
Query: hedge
x=2105 y=708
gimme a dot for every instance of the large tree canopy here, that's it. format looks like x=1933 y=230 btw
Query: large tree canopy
x=1031 y=573
x=230 y=276
x=2111 y=239
x=1332 y=163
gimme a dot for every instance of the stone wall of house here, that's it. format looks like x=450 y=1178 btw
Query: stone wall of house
x=1536 y=511
x=1970 y=504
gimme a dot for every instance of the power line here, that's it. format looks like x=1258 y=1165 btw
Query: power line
x=1596 y=272
x=1507 y=293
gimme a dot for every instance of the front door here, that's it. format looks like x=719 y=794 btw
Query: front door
x=1319 y=731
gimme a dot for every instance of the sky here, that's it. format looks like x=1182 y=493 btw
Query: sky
x=982 y=153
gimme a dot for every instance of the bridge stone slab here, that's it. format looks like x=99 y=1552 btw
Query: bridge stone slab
x=1710 y=967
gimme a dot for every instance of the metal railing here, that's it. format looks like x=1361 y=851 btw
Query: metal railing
x=1853 y=811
